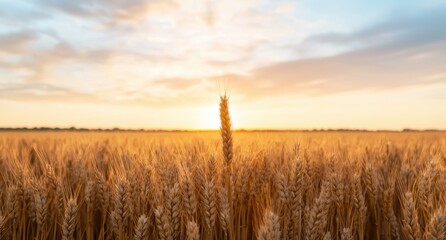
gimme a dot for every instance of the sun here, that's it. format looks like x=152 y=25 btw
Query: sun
x=210 y=116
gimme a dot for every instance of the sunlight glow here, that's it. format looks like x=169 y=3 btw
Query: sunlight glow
x=210 y=117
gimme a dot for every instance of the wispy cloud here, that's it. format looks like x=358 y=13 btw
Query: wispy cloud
x=396 y=53
x=108 y=10
x=16 y=42
x=182 y=40
x=162 y=53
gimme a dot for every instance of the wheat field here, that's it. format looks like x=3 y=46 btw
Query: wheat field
x=222 y=185
x=173 y=186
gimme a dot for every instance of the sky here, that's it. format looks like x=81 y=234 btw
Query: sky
x=162 y=64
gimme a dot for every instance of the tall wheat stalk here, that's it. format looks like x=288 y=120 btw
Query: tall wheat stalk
x=226 y=129
x=226 y=135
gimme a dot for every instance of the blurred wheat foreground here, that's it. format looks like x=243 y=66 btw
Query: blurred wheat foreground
x=199 y=185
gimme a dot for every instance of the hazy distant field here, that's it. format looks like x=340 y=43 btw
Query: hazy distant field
x=280 y=185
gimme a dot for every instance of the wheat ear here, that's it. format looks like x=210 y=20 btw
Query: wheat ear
x=410 y=218
x=224 y=213
x=271 y=227
x=192 y=231
x=122 y=206
x=189 y=197
x=70 y=220
x=163 y=224
x=142 y=228
x=41 y=207
x=437 y=227
x=209 y=203
x=317 y=220
x=173 y=210
x=226 y=129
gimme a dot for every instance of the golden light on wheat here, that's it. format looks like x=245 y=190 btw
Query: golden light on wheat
x=225 y=185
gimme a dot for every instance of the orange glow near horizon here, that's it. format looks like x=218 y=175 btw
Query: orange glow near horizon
x=381 y=111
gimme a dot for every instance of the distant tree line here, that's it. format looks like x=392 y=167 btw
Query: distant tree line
x=74 y=129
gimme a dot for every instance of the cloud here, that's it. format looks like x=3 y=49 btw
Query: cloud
x=43 y=92
x=39 y=62
x=177 y=52
x=110 y=12
x=180 y=35
x=407 y=29
x=16 y=41
x=396 y=53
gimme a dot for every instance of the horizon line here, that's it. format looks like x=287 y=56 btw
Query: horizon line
x=117 y=129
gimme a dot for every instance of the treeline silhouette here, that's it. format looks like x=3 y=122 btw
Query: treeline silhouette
x=74 y=129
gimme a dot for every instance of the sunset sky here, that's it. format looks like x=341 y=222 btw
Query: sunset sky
x=163 y=63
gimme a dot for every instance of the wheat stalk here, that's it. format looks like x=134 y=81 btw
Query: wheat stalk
x=192 y=231
x=209 y=203
x=226 y=129
x=437 y=227
x=122 y=207
x=30 y=203
x=41 y=207
x=70 y=220
x=224 y=209
x=270 y=230
x=173 y=209
x=410 y=218
x=317 y=219
x=189 y=197
x=163 y=224
x=395 y=227
x=142 y=228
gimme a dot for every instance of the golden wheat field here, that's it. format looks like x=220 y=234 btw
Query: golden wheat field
x=174 y=185
x=222 y=120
